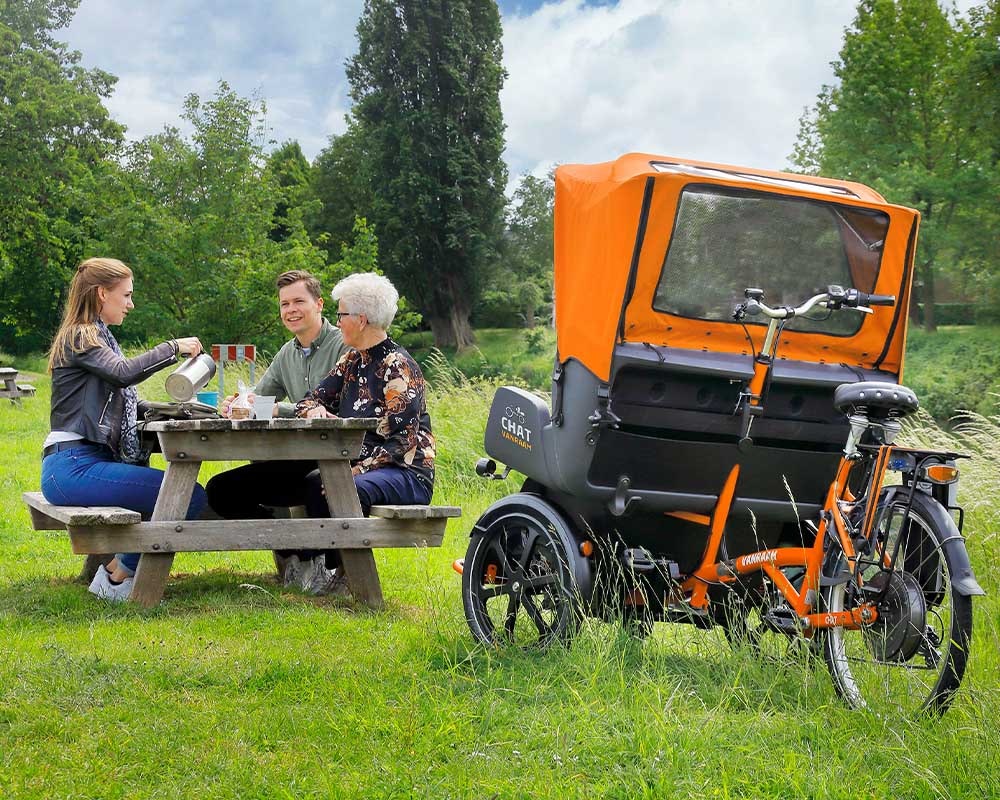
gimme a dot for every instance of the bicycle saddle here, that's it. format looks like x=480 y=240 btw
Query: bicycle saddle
x=878 y=397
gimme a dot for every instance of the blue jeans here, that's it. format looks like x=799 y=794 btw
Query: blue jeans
x=89 y=475
x=391 y=486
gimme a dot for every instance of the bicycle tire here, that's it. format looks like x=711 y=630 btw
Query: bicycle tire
x=517 y=585
x=894 y=664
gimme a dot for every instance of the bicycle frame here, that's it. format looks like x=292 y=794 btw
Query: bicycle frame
x=716 y=571
x=833 y=524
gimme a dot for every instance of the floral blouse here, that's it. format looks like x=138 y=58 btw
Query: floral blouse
x=384 y=382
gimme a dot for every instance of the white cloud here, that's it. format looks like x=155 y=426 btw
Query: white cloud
x=720 y=80
x=715 y=80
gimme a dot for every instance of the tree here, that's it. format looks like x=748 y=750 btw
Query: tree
x=894 y=121
x=55 y=141
x=291 y=178
x=197 y=227
x=425 y=83
x=521 y=290
x=976 y=237
x=339 y=181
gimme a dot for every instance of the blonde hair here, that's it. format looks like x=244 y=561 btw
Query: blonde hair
x=370 y=294
x=78 y=329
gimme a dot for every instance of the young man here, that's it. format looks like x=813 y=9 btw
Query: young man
x=247 y=492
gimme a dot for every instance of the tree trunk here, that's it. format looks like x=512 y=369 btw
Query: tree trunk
x=451 y=326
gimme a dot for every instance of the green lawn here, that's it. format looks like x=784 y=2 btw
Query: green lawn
x=237 y=688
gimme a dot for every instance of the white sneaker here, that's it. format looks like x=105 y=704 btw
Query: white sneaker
x=103 y=588
x=317 y=579
x=292 y=576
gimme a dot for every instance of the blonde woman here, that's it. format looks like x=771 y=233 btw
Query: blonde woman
x=91 y=456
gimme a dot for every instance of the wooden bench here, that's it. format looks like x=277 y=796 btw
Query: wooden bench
x=100 y=531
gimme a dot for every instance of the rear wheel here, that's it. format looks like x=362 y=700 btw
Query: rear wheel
x=913 y=656
x=517 y=585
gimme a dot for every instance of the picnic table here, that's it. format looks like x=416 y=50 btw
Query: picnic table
x=12 y=390
x=185 y=444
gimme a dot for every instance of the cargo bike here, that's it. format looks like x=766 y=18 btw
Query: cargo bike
x=719 y=449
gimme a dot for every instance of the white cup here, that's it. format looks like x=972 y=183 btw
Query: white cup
x=263 y=406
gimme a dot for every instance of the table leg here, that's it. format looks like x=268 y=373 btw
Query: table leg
x=171 y=504
x=92 y=563
x=359 y=564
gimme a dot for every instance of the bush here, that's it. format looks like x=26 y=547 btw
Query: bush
x=951 y=313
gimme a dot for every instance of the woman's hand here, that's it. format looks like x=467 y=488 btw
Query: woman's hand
x=319 y=412
x=189 y=346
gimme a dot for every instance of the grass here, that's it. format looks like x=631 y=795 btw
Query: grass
x=525 y=355
x=954 y=369
x=238 y=688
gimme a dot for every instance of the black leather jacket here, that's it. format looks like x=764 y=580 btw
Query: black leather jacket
x=87 y=390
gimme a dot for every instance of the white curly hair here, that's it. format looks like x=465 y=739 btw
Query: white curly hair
x=369 y=294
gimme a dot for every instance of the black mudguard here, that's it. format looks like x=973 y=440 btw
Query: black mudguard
x=523 y=504
x=963 y=578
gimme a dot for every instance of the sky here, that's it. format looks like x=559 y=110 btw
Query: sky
x=718 y=80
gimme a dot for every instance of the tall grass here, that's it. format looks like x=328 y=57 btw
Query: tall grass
x=237 y=687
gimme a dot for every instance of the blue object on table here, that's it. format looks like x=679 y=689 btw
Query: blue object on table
x=208 y=398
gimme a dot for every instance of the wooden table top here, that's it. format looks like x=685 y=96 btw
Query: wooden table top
x=276 y=424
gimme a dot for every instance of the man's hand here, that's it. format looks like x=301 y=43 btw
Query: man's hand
x=226 y=405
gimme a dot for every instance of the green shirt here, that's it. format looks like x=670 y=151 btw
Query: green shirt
x=293 y=373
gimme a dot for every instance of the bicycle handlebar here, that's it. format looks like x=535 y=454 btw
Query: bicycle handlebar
x=834 y=298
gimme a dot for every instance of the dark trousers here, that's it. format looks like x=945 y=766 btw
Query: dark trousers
x=243 y=493
x=383 y=486
x=393 y=486
x=246 y=492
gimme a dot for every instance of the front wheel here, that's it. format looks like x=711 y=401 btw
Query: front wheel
x=518 y=587
x=913 y=656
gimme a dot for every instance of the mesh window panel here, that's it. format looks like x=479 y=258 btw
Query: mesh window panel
x=725 y=241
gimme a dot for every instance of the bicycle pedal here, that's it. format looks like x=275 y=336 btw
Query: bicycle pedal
x=782 y=619
x=637 y=559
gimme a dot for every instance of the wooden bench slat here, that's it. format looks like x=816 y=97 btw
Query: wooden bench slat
x=204 y=535
x=416 y=512
x=81 y=515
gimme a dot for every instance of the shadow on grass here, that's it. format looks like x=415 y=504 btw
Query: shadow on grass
x=218 y=591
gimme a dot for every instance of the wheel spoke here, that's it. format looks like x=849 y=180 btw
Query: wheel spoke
x=488 y=591
x=536 y=616
x=536 y=582
x=913 y=656
x=511 y=619
x=529 y=546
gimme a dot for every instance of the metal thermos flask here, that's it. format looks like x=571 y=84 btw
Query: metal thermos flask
x=190 y=377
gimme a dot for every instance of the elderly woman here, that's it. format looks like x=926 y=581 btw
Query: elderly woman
x=92 y=456
x=377 y=378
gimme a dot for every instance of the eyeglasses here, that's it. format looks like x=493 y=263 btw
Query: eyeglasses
x=342 y=314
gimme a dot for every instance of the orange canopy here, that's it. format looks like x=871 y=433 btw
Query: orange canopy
x=614 y=223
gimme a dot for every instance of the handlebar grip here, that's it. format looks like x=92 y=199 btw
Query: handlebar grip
x=879 y=299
